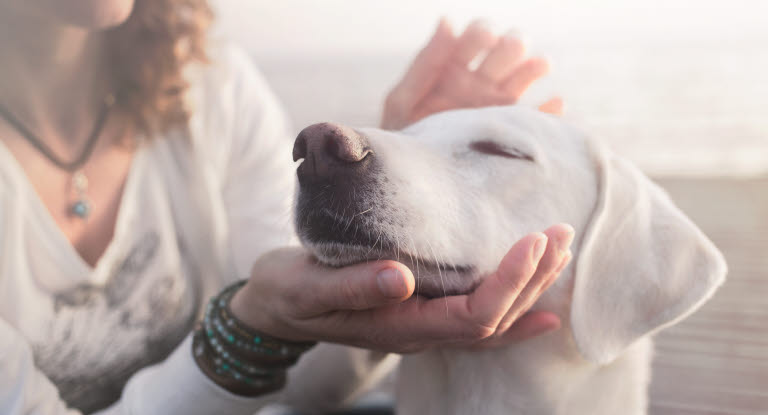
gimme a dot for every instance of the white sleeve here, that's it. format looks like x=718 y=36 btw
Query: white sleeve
x=24 y=390
x=175 y=386
x=178 y=386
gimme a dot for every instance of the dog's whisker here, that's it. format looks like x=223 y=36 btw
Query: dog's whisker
x=349 y=223
x=349 y=220
x=374 y=245
x=381 y=252
x=412 y=253
x=397 y=249
x=440 y=273
x=456 y=270
x=363 y=212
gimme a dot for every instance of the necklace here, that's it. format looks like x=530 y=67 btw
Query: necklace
x=81 y=207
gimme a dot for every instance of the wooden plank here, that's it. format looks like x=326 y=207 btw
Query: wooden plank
x=716 y=361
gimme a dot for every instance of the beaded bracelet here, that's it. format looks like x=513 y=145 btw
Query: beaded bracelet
x=237 y=357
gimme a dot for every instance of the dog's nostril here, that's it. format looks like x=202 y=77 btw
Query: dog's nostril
x=300 y=147
x=329 y=147
x=345 y=148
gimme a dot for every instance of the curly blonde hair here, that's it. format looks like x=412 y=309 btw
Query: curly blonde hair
x=149 y=53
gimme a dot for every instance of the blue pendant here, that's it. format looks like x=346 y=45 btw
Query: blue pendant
x=81 y=209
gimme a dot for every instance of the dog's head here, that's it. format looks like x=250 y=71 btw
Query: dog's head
x=449 y=195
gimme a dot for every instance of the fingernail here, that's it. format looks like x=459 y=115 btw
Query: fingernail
x=391 y=283
x=538 y=247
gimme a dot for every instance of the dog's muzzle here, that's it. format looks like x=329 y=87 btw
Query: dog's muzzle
x=337 y=179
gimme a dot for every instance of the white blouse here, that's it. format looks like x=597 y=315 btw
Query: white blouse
x=199 y=206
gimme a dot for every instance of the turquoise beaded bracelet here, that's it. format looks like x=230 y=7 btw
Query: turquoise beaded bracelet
x=238 y=357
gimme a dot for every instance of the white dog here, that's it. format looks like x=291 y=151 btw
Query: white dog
x=451 y=194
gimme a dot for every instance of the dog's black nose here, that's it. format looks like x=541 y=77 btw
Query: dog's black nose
x=329 y=149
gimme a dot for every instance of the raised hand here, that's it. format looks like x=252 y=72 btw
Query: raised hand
x=371 y=305
x=441 y=76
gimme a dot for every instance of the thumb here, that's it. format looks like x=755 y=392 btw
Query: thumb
x=362 y=286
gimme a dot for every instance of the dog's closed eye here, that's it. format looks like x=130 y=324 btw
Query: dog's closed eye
x=493 y=148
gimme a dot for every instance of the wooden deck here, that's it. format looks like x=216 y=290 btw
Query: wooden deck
x=716 y=361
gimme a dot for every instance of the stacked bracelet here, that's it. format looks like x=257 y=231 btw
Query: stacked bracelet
x=237 y=357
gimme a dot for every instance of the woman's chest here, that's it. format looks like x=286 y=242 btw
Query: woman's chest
x=82 y=200
x=91 y=328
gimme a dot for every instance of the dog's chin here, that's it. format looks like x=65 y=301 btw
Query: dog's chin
x=340 y=254
x=433 y=279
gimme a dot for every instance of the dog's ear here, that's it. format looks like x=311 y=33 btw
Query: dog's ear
x=643 y=265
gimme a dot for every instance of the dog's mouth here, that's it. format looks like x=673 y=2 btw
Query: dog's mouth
x=339 y=241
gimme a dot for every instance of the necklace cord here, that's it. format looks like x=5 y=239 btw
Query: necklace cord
x=85 y=154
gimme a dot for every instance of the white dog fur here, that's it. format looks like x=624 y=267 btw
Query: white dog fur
x=639 y=263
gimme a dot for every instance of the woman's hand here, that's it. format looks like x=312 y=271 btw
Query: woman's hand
x=371 y=305
x=440 y=77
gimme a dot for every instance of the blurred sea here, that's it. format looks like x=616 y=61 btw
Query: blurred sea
x=677 y=110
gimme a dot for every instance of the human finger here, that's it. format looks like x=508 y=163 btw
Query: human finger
x=529 y=325
x=553 y=106
x=357 y=287
x=471 y=317
x=460 y=88
x=566 y=260
x=524 y=76
x=559 y=238
x=502 y=59
x=476 y=38
x=418 y=323
x=409 y=326
x=499 y=290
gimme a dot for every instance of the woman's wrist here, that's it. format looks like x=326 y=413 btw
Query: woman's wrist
x=243 y=308
x=237 y=357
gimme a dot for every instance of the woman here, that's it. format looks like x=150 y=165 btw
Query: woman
x=143 y=168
